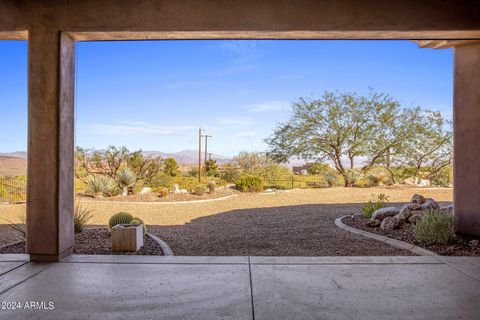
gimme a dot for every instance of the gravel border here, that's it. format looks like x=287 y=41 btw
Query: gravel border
x=162 y=202
x=165 y=248
x=392 y=242
x=10 y=244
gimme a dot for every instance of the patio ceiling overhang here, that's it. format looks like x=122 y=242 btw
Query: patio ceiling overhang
x=442 y=44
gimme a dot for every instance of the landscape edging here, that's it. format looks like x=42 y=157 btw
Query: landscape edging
x=387 y=240
x=162 y=202
x=165 y=248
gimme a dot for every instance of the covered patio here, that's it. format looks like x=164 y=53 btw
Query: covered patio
x=118 y=287
x=125 y=287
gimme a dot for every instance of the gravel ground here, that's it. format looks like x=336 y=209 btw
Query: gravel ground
x=304 y=230
x=456 y=247
x=7 y=235
x=297 y=222
x=96 y=241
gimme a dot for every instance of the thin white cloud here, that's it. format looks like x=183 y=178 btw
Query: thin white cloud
x=269 y=106
x=137 y=128
x=177 y=85
x=232 y=70
x=238 y=121
x=246 y=134
x=238 y=47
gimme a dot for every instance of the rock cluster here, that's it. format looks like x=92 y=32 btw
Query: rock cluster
x=390 y=218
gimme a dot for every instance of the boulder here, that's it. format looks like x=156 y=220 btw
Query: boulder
x=429 y=204
x=145 y=190
x=417 y=198
x=389 y=223
x=415 y=217
x=473 y=243
x=423 y=183
x=374 y=223
x=411 y=181
x=406 y=211
x=382 y=213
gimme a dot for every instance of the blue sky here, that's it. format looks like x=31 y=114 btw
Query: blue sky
x=153 y=95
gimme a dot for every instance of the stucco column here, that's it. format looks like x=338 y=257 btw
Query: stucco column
x=466 y=120
x=51 y=62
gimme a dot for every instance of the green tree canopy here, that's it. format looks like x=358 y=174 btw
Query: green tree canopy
x=170 y=167
x=345 y=127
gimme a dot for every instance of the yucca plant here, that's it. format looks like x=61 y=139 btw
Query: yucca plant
x=126 y=179
x=81 y=217
x=377 y=176
x=435 y=227
x=99 y=185
x=353 y=176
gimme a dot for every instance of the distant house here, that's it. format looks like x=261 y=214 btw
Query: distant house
x=303 y=169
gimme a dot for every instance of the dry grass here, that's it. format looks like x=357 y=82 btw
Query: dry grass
x=178 y=214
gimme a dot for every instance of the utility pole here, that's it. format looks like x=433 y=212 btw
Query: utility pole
x=200 y=154
x=206 y=145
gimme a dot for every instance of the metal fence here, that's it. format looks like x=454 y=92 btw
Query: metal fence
x=13 y=189
x=296 y=182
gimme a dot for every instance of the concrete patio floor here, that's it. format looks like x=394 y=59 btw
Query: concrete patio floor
x=143 y=287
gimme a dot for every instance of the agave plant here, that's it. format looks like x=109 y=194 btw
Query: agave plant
x=99 y=185
x=81 y=217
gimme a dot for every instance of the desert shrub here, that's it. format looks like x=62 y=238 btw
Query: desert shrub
x=120 y=218
x=126 y=179
x=377 y=176
x=163 y=193
x=170 y=167
x=374 y=204
x=81 y=216
x=319 y=168
x=435 y=227
x=443 y=178
x=99 y=185
x=275 y=187
x=200 y=189
x=193 y=172
x=137 y=220
x=353 y=176
x=274 y=171
x=229 y=173
x=211 y=186
x=330 y=178
x=248 y=183
x=211 y=168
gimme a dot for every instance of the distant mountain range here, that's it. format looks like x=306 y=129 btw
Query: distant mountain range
x=15 y=163
x=187 y=156
x=16 y=154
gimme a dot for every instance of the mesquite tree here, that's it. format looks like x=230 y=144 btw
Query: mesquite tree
x=345 y=128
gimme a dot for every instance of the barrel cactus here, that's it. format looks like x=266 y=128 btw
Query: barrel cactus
x=120 y=218
x=137 y=220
